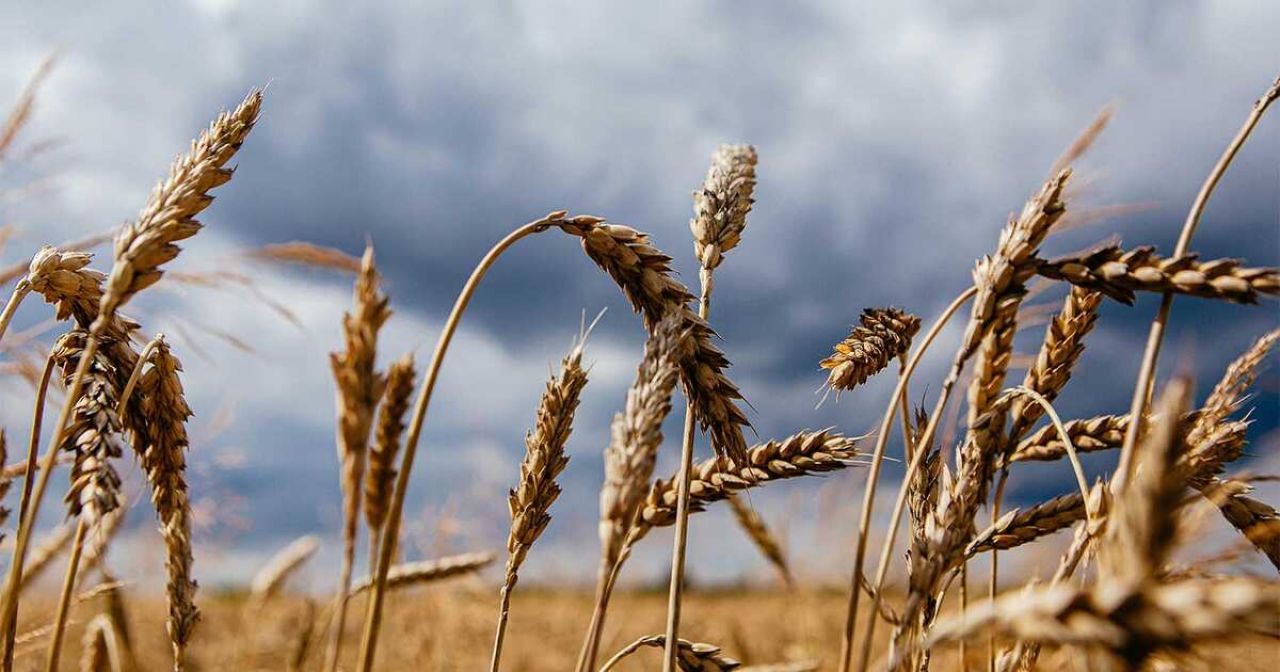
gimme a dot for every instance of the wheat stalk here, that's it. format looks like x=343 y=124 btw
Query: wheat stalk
x=1119 y=274
x=428 y=571
x=690 y=656
x=163 y=449
x=544 y=459
x=883 y=336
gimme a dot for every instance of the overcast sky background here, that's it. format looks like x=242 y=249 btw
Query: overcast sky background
x=894 y=141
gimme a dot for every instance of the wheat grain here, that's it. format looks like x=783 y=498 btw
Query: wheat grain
x=883 y=335
x=1119 y=274
x=427 y=571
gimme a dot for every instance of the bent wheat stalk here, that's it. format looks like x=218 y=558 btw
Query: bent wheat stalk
x=373 y=611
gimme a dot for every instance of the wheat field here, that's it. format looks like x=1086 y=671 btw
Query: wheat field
x=1119 y=597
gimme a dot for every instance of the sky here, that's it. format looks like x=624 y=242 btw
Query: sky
x=895 y=139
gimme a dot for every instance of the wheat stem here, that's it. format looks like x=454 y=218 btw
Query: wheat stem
x=13 y=587
x=20 y=292
x=64 y=600
x=882 y=440
x=136 y=374
x=373 y=611
x=671 y=649
x=1146 y=371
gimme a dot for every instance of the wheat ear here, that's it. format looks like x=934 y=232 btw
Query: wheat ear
x=720 y=216
x=379 y=479
x=101 y=647
x=163 y=449
x=544 y=459
x=758 y=531
x=359 y=386
x=635 y=437
x=1119 y=274
x=884 y=334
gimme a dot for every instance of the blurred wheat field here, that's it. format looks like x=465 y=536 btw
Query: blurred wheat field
x=450 y=628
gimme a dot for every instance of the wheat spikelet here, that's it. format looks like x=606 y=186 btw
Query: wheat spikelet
x=715 y=479
x=1119 y=273
x=164 y=459
x=143 y=246
x=636 y=435
x=720 y=207
x=93 y=434
x=645 y=276
x=690 y=656
x=427 y=571
x=381 y=475
x=1062 y=347
x=272 y=576
x=758 y=531
x=883 y=335
x=1102 y=432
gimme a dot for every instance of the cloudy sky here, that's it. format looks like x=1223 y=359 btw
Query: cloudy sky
x=894 y=141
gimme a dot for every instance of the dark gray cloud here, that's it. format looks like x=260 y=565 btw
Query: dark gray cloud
x=894 y=143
